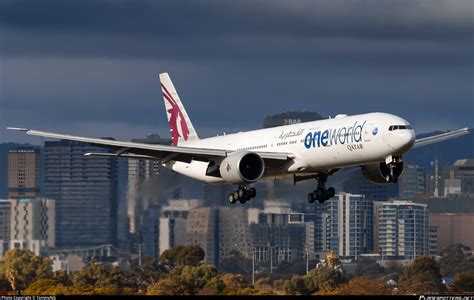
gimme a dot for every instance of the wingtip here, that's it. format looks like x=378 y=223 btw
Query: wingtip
x=17 y=129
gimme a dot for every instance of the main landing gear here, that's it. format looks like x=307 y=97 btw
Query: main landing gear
x=242 y=194
x=321 y=193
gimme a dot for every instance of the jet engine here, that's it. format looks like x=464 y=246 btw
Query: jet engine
x=380 y=172
x=242 y=167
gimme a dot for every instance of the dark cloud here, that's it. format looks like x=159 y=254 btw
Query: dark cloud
x=65 y=63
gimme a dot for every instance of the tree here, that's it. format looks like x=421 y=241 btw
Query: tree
x=463 y=282
x=393 y=267
x=41 y=286
x=294 y=267
x=421 y=277
x=362 y=286
x=323 y=279
x=99 y=275
x=180 y=256
x=148 y=274
x=368 y=267
x=22 y=267
x=189 y=280
x=195 y=278
x=62 y=277
x=236 y=263
x=456 y=259
x=167 y=285
x=296 y=286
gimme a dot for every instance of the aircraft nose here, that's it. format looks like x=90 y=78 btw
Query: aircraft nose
x=406 y=140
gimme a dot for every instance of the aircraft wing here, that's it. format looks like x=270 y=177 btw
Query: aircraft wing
x=151 y=151
x=440 y=137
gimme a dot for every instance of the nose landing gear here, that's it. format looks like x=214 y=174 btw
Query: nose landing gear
x=242 y=194
x=321 y=193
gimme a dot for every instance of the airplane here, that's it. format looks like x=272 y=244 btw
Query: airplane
x=375 y=142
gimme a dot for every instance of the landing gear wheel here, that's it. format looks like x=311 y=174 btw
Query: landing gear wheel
x=241 y=191
x=242 y=194
x=331 y=192
x=232 y=199
x=321 y=193
x=252 y=192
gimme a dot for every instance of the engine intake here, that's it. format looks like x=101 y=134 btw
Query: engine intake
x=242 y=167
x=378 y=172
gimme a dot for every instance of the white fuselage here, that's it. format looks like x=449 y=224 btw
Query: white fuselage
x=328 y=144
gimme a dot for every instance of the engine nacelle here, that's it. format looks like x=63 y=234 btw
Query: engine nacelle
x=242 y=167
x=378 y=172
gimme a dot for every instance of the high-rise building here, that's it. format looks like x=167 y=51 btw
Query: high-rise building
x=314 y=213
x=219 y=231
x=280 y=234
x=433 y=240
x=412 y=183
x=24 y=172
x=451 y=180
x=5 y=220
x=276 y=240
x=453 y=218
x=139 y=172
x=234 y=232
x=32 y=224
x=173 y=219
x=202 y=230
x=403 y=231
x=85 y=190
x=349 y=225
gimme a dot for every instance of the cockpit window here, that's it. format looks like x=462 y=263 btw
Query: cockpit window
x=397 y=127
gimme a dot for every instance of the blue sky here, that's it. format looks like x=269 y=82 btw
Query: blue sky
x=91 y=67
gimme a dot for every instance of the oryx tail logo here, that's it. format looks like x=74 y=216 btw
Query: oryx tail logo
x=175 y=113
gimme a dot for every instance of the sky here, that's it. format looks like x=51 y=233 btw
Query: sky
x=91 y=67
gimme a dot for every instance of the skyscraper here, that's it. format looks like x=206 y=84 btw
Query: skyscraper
x=412 y=183
x=202 y=230
x=24 y=172
x=32 y=224
x=85 y=190
x=139 y=171
x=349 y=225
x=402 y=229
x=5 y=220
x=172 y=229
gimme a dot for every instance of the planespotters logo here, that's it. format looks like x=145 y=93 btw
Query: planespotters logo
x=175 y=112
x=422 y=297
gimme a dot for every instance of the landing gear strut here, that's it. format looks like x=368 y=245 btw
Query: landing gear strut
x=242 y=194
x=392 y=164
x=321 y=193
